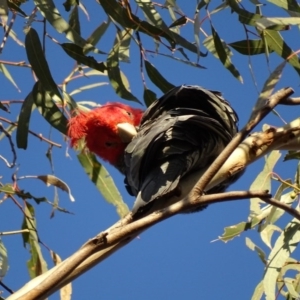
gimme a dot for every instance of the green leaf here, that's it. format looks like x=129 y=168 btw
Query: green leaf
x=249 y=47
x=277 y=23
x=197 y=32
x=69 y=3
x=7 y=189
x=276 y=212
x=235 y=230
x=52 y=180
x=267 y=233
x=6 y=73
x=117 y=79
x=291 y=5
x=39 y=64
x=263 y=182
x=87 y=87
x=3 y=107
x=52 y=15
x=77 y=53
x=48 y=108
x=289 y=283
x=23 y=122
x=245 y=17
x=36 y=264
x=292 y=155
x=179 y=22
x=103 y=181
x=3 y=12
x=125 y=39
x=120 y=15
x=149 y=97
x=258 y=292
x=261 y=254
x=151 y=14
x=157 y=78
x=14 y=6
x=269 y=87
x=74 y=19
x=223 y=55
x=275 y=42
x=3 y=260
x=96 y=35
x=282 y=250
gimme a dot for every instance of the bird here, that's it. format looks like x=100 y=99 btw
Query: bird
x=179 y=134
x=106 y=130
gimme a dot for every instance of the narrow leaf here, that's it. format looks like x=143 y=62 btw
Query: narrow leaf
x=52 y=15
x=66 y=290
x=48 y=108
x=149 y=97
x=38 y=62
x=249 y=47
x=77 y=53
x=224 y=58
x=36 y=264
x=245 y=16
x=117 y=79
x=120 y=15
x=258 y=292
x=103 y=181
x=3 y=12
x=157 y=78
x=96 y=35
x=74 y=19
x=23 y=122
x=263 y=182
x=290 y=5
x=6 y=73
x=87 y=87
x=235 y=230
x=125 y=39
x=276 y=43
x=282 y=250
x=261 y=254
x=179 y=22
x=3 y=260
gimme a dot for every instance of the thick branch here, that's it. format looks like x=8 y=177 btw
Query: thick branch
x=51 y=280
x=123 y=232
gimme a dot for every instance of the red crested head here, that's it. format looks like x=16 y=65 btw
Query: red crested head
x=100 y=129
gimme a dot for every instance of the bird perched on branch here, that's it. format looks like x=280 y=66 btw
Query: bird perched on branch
x=180 y=133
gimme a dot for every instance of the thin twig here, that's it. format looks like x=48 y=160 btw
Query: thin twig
x=17 y=64
x=6 y=287
x=14 y=232
x=8 y=31
x=40 y=136
x=290 y=210
x=11 y=101
x=12 y=147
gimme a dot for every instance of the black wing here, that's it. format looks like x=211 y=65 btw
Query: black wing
x=183 y=131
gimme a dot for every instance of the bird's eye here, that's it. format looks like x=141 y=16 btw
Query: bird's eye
x=129 y=114
x=109 y=144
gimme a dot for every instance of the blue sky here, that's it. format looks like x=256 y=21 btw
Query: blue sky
x=175 y=259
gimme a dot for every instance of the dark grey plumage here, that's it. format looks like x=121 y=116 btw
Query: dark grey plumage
x=183 y=131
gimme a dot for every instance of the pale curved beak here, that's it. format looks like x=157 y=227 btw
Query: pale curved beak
x=126 y=132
